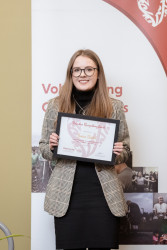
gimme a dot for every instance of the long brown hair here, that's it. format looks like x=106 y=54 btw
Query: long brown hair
x=100 y=105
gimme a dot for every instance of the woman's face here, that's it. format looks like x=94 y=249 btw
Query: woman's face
x=140 y=174
x=84 y=82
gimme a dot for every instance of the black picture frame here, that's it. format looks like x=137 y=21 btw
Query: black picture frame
x=89 y=118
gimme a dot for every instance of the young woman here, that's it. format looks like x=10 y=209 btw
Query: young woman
x=86 y=199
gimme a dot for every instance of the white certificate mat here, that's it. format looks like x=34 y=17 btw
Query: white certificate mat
x=86 y=138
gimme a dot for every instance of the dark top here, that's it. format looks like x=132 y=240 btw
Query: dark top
x=88 y=222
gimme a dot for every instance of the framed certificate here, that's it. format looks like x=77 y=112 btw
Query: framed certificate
x=86 y=138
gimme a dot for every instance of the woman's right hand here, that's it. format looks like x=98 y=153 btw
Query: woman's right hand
x=53 y=141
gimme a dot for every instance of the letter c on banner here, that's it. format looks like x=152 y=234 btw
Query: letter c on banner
x=44 y=106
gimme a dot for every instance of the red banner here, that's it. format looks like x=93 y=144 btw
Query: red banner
x=150 y=16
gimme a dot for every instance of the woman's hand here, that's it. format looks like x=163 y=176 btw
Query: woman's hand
x=53 y=141
x=118 y=147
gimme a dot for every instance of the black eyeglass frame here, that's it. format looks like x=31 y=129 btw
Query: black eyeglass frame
x=83 y=71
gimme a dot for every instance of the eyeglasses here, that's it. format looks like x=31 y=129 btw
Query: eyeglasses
x=88 y=71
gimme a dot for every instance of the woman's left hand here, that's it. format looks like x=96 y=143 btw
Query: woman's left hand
x=118 y=147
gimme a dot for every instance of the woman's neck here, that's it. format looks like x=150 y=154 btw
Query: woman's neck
x=83 y=97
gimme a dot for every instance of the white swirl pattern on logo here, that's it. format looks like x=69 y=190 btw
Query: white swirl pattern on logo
x=154 y=19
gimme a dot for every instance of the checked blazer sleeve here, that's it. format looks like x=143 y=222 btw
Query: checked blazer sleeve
x=123 y=134
x=47 y=129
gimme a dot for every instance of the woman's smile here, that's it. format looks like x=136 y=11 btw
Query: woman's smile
x=83 y=81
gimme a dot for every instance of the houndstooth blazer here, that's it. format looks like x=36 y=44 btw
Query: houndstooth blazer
x=59 y=187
